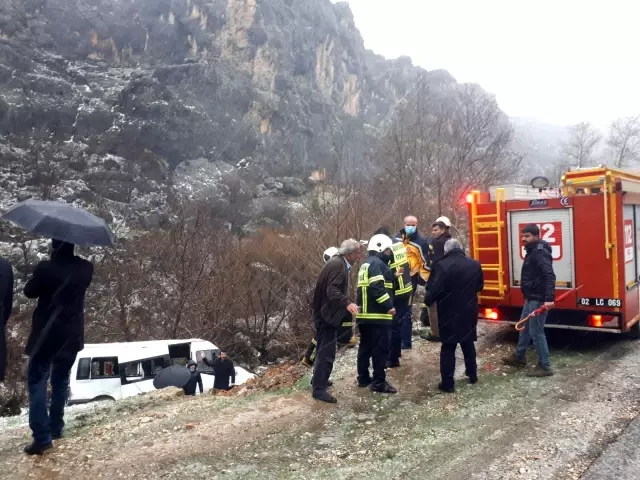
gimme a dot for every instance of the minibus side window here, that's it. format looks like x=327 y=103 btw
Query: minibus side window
x=105 y=367
x=84 y=369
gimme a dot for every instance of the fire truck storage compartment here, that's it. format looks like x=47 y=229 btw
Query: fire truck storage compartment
x=556 y=228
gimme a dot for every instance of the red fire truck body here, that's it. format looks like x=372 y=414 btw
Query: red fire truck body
x=591 y=224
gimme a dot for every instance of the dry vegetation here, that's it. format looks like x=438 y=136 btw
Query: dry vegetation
x=197 y=277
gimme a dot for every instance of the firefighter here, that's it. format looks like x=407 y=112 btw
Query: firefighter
x=538 y=284
x=399 y=266
x=419 y=254
x=375 y=314
x=345 y=332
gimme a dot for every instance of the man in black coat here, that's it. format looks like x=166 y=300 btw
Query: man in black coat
x=330 y=299
x=454 y=284
x=6 y=303
x=538 y=284
x=440 y=231
x=223 y=369
x=57 y=335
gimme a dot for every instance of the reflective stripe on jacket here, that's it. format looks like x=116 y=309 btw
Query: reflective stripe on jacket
x=403 y=288
x=375 y=292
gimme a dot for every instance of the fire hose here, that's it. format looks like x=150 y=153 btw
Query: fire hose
x=521 y=324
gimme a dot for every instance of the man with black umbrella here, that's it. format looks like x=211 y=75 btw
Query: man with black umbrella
x=57 y=335
x=6 y=303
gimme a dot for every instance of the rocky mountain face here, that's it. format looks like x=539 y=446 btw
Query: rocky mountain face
x=119 y=104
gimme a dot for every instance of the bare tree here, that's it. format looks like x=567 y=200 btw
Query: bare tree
x=440 y=148
x=582 y=142
x=624 y=140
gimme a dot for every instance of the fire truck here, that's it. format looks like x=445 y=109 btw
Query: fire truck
x=590 y=222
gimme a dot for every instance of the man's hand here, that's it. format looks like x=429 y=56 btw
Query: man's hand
x=548 y=305
x=399 y=272
x=352 y=308
x=392 y=312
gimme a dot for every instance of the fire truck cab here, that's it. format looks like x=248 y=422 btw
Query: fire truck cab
x=591 y=224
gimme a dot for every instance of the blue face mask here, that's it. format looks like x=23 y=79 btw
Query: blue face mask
x=410 y=229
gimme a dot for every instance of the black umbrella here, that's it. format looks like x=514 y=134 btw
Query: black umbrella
x=62 y=222
x=173 y=376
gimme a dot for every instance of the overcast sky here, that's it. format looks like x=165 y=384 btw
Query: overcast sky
x=561 y=61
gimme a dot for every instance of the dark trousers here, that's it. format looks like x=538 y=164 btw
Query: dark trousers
x=403 y=314
x=448 y=362
x=325 y=355
x=395 y=337
x=344 y=334
x=45 y=423
x=374 y=348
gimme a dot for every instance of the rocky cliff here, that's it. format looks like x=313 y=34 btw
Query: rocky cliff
x=117 y=101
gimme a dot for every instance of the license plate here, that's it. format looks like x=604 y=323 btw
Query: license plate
x=600 y=302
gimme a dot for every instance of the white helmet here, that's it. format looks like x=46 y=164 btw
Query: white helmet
x=329 y=253
x=379 y=243
x=444 y=220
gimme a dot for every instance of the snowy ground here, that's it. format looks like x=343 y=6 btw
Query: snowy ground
x=21 y=421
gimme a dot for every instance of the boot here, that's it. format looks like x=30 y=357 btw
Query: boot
x=393 y=364
x=385 y=387
x=325 y=397
x=472 y=379
x=35 y=449
x=442 y=388
x=514 y=361
x=540 y=372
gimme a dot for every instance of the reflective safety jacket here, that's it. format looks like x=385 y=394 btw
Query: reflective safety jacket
x=375 y=292
x=402 y=284
x=419 y=253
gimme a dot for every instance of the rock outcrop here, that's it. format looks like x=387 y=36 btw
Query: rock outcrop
x=120 y=100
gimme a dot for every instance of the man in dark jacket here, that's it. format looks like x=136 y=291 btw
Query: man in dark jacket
x=375 y=314
x=403 y=290
x=6 y=303
x=454 y=284
x=538 y=284
x=344 y=333
x=196 y=379
x=223 y=369
x=440 y=235
x=330 y=299
x=57 y=335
